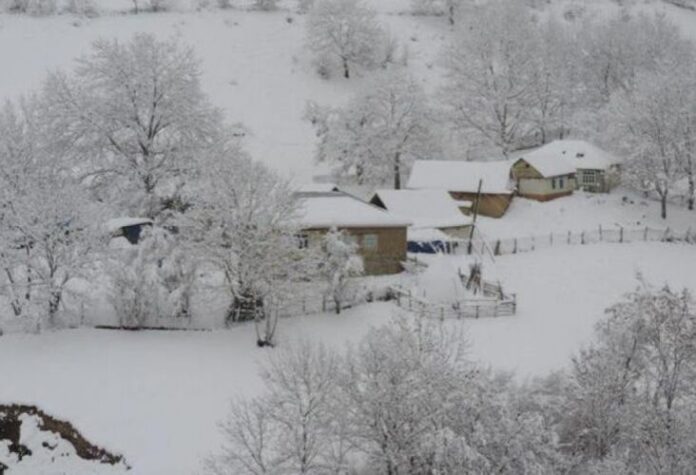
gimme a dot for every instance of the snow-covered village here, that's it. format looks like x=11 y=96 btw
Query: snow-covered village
x=398 y=237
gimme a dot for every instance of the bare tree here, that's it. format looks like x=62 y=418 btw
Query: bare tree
x=345 y=33
x=136 y=120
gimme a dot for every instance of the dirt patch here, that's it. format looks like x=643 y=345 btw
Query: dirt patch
x=10 y=429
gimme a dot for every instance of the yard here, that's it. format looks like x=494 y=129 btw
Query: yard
x=156 y=396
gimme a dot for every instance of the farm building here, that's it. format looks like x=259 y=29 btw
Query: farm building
x=543 y=176
x=461 y=180
x=381 y=236
x=437 y=222
x=597 y=171
x=127 y=228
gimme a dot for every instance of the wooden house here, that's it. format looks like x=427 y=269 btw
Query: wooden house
x=380 y=235
x=461 y=180
x=596 y=171
x=541 y=176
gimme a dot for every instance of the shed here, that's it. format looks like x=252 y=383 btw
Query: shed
x=127 y=227
x=461 y=180
x=380 y=235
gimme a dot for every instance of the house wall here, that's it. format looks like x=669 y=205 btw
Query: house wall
x=533 y=185
x=385 y=259
x=491 y=205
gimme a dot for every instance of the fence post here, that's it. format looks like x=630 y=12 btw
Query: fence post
x=687 y=237
x=645 y=234
x=665 y=237
x=621 y=235
x=533 y=243
x=477 y=310
x=600 y=233
x=568 y=237
x=496 y=251
x=514 y=249
x=442 y=314
x=582 y=237
x=323 y=303
x=514 y=304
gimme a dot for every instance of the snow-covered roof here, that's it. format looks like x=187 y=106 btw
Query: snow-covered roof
x=318 y=188
x=562 y=157
x=340 y=210
x=118 y=223
x=584 y=154
x=425 y=208
x=461 y=176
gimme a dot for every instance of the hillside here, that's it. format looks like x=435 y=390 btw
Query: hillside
x=254 y=64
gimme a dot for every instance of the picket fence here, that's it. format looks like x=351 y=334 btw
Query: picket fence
x=516 y=245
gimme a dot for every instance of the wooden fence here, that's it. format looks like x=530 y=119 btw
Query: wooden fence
x=501 y=247
x=466 y=308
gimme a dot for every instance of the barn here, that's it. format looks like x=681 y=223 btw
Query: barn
x=380 y=235
x=461 y=180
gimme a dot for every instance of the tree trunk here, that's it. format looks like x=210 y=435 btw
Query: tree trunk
x=54 y=300
x=346 y=70
x=397 y=171
x=692 y=192
x=663 y=203
x=337 y=303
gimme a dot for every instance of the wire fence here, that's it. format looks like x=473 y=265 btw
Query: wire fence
x=619 y=235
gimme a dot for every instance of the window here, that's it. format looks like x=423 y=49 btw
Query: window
x=560 y=181
x=553 y=183
x=589 y=177
x=370 y=242
x=302 y=241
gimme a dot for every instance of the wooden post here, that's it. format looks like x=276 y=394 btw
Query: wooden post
x=533 y=243
x=582 y=237
x=665 y=237
x=621 y=235
x=568 y=237
x=442 y=314
x=496 y=251
x=645 y=234
x=600 y=233
x=514 y=249
x=687 y=237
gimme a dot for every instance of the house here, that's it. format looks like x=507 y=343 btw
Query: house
x=542 y=176
x=127 y=228
x=380 y=235
x=461 y=180
x=596 y=171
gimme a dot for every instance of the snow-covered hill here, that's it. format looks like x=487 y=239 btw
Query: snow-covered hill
x=255 y=64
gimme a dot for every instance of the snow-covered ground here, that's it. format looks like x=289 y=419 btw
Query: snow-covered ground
x=156 y=396
x=584 y=212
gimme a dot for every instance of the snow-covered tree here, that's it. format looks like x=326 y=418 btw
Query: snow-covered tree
x=291 y=427
x=152 y=283
x=135 y=118
x=48 y=227
x=339 y=263
x=490 y=71
x=379 y=133
x=33 y=7
x=653 y=126
x=631 y=401
x=243 y=222
x=266 y=5
x=345 y=34
x=452 y=9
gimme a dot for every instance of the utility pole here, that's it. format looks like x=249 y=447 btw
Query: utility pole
x=473 y=223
